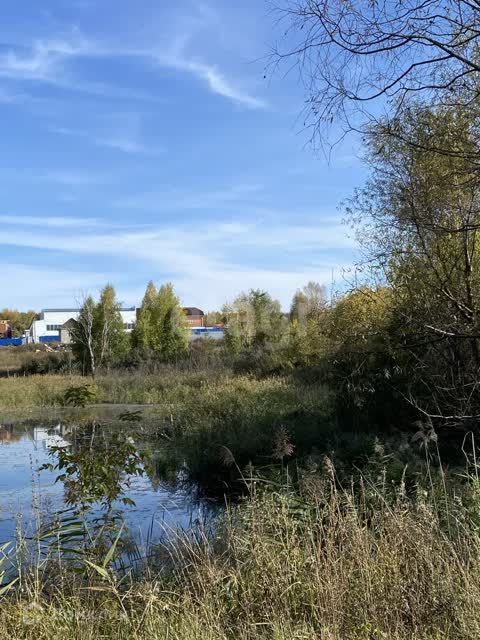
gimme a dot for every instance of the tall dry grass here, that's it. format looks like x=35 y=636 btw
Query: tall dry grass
x=19 y=392
x=334 y=564
x=116 y=387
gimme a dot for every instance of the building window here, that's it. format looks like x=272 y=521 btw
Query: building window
x=54 y=327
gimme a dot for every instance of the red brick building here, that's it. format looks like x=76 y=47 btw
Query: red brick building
x=195 y=316
x=5 y=329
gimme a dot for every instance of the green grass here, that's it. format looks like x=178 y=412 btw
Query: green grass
x=35 y=391
x=331 y=564
x=172 y=389
x=48 y=390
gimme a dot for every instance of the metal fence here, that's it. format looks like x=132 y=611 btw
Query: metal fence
x=11 y=342
x=44 y=339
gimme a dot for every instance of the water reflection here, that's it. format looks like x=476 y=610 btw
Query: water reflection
x=95 y=465
x=7 y=434
x=104 y=472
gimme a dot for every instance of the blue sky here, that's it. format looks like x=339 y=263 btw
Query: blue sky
x=142 y=141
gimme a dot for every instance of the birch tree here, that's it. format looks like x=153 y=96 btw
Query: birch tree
x=83 y=338
x=111 y=341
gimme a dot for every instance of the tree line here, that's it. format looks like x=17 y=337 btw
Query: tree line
x=253 y=322
x=19 y=321
x=99 y=340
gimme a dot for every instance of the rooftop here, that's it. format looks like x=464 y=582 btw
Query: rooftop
x=193 y=311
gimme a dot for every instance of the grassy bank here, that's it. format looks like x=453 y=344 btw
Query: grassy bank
x=171 y=389
x=27 y=392
x=332 y=564
x=218 y=422
x=211 y=421
x=24 y=392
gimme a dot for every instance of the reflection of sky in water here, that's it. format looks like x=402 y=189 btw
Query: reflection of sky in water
x=22 y=486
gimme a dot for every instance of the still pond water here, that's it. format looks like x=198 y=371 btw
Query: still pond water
x=55 y=465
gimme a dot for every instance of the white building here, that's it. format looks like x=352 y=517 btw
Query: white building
x=47 y=327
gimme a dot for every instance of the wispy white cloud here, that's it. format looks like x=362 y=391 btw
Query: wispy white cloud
x=175 y=199
x=210 y=264
x=60 y=176
x=125 y=141
x=71 y=178
x=59 y=222
x=214 y=79
x=44 y=58
x=128 y=145
x=66 y=224
x=35 y=287
x=47 y=60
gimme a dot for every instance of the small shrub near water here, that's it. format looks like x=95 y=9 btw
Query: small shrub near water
x=80 y=396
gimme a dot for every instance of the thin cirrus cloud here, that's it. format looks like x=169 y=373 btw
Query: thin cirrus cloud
x=176 y=200
x=62 y=223
x=210 y=288
x=63 y=177
x=212 y=216
x=46 y=60
x=216 y=261
x=127 y=143
x=51 y=286
x=177 y=57
x=71 y=178
x=43 y=59
x=214 y=80
x=58 y=222
x=186 y=249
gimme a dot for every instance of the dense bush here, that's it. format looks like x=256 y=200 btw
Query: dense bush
x=47 y=363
